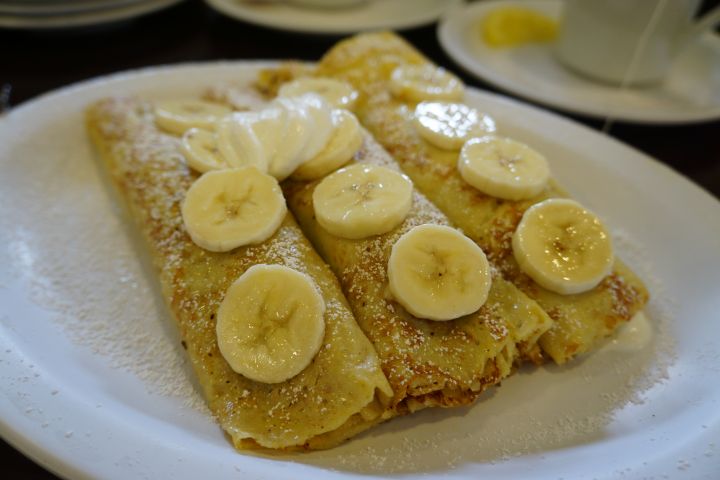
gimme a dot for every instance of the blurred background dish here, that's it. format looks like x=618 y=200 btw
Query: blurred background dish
x=43 y=14
x=690 y=93
x=368 y=15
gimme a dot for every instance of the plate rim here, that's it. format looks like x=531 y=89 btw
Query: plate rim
x=245 y=13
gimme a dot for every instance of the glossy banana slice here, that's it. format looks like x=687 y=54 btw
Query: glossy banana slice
x=503 y=167
x=425 y=82
x=238 y=144
x=226 y=209
x=338 y=93
x=290 y=138
x=563 y=246
x=449 y=125
x=270 y=325
x=201 y=150
x=345 y=141
x=320 y=115
x=438 y=273
x=176 y=116
x=362 y=200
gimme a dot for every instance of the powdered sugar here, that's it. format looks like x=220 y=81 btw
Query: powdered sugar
x=65 y=240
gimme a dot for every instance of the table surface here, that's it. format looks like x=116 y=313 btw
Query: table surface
x=35 y=62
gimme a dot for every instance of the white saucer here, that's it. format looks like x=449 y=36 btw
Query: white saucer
x=371 y=15
x=59 y=18
x=691 y=92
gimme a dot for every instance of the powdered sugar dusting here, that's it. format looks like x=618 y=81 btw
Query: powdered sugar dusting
x=72 y=251
x=535 y=411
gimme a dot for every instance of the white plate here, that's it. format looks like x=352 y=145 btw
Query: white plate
x=93 y=381
x=690 y=93
x=17 y=7
x=371 y=15
x=96 y=16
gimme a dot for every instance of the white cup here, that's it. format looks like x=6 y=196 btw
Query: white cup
x=628 y=41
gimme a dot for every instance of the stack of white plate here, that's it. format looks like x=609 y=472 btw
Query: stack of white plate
x=72 y=13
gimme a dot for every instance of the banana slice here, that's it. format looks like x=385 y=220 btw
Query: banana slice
x=225 y=209
x=438 y=273
x=345 y=141
x=503 y=168
x=362 y=200
x=292 y=140
x=425 y=82
x=238 y=143
x=176 y=116
x=338 y=93
x=563 y=246
x=201 y=150
x=320 y=114
x=270 y=325
x=449 y=125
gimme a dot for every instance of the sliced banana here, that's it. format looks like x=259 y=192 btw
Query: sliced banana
x=362 y=200
x=238 y=143
x=320 y=114
x=438 y=273
x=201 y=150
x=449 y=125
x=338 y=93
x=270 y=325
x=425 y=82
x=292 y=140
x=225 y=209
x=345 y=141
x=176 y=116
x=503 y=168
x=563 y=246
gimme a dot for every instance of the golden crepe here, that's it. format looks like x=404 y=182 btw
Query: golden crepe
x=367 y=61
x=343 y=391
x=428 y=363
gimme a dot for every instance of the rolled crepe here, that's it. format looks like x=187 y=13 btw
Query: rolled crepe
x=580 y=321
x=342 y=392
x=428 y=363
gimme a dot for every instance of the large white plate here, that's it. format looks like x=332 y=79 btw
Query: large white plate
x=371 y=15
x=93 y=381
x=690 y=93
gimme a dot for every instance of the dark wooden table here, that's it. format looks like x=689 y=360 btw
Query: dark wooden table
x=34 y=62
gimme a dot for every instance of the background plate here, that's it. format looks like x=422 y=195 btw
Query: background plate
x=690 y=93
x=93 y=381
x=372 y=15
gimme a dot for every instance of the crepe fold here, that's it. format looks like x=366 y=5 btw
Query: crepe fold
x=343 y=391
x=367 y=62
x=428 y=363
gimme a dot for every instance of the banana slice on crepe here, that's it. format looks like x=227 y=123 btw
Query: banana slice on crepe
x=226 y=209
x=238 y=143
x=449 y=125
x=338 y=93
x=177 y=116
x=362 y=200
x=425 y=82
x=345 y=141
x=438 y=273
x=563 y=246
x=503 y=167
x=202 y=151
x=270 y=325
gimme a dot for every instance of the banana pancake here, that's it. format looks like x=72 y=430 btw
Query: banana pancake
x=371 y=64
x=428 y=363
x=341 y=392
